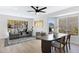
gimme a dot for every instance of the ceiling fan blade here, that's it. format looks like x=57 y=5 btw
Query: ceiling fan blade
x=30 y=11
x=43 y=8
x=33 y=7
x=43 y=11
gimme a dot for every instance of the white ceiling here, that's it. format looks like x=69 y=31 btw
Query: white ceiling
x=21 y=11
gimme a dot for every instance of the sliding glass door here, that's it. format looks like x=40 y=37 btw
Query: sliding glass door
x=69 y=25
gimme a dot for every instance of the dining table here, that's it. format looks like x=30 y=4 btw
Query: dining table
x=47 y=39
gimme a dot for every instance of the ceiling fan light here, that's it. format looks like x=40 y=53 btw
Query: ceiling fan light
x=37 y=13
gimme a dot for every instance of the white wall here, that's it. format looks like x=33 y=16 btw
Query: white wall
x=4 y=21
x=3 y=26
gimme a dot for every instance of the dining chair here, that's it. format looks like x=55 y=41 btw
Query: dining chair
x=43 y=34
x=38 y=35
x=59 y=45
x=68 y=41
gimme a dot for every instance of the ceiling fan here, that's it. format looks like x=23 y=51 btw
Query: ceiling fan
x=37 y=9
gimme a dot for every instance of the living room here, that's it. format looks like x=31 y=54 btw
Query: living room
x=19 y=26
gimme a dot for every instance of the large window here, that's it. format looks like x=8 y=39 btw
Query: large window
x=62 y=25
x=69 y=25
x=38 y=23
